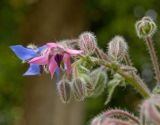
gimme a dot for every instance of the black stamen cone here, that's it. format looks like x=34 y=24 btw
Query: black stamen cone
x=58 y=59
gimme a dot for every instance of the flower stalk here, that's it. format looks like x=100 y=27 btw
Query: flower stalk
x=154 y=58
x=100 y=54
x=135 y=81
x=128 y=60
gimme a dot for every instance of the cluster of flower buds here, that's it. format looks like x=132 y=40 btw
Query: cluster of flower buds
x=145 y=27
x=75 y=88
x=80 y=81
x=150 y=113
x=117 y=48
x=83 y=85
x=115 y=117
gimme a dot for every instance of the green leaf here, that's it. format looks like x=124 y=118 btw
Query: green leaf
x=99 y=80
x=112 y=85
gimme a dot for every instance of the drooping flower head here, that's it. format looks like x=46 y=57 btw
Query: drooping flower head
x=28 y=53
x=54 y=56
x=145 y=27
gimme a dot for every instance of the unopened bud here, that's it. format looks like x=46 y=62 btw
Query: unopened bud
x=64 y=90
x=150 y=110
x=87 y=42
x=78 y=89
x=115 y=117
x=117 y=48
x=96 y=120
x=145 y=27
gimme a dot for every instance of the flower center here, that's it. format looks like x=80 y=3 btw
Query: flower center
x=58 y=58
x=55 y=51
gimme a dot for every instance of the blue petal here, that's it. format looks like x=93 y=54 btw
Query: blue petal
x=22 y=52
x=57 y=74
x=40 y=49
x=34 y=69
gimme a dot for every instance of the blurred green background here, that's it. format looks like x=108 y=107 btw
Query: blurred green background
x=38 y=21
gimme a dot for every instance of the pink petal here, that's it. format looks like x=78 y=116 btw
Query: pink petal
x=41 y=60
x=52 y=66
x=67 y=62
x=74 y=52
x=54 y=45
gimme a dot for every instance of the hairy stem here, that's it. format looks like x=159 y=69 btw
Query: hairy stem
x=136 y=82
x=133 y=80
x=154 y=58
x=135 y=76
x=128 y=60
x=100 y=54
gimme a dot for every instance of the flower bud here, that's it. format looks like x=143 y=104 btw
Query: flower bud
x=117 y=48
x=87 y=42
x=64 y=90
x=96 y=120
x=115 y=117
x=145 y=27
x=78 y=89
x=150 y=110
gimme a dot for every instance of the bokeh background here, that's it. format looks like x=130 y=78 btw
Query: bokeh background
x=34 y=100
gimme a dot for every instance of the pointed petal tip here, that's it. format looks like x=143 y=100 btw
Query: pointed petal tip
x=52 y=66
x=51 y=76
x=13 y=47
x=32 y=70
x=74 y=52
x=26 y=74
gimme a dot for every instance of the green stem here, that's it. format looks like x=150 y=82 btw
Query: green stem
x=136 y=82
x=133 y=79
x=100 y=54
x=128 y=60
x=154 y=58
x=137 y=78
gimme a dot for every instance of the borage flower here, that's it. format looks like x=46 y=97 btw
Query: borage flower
x=26 y=54
x=54 y=56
